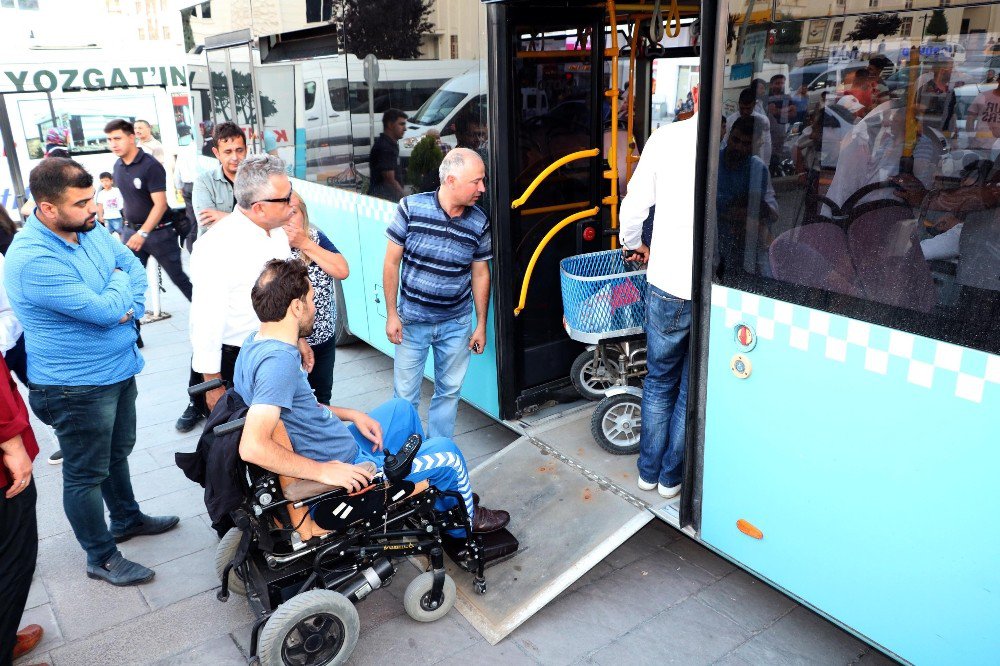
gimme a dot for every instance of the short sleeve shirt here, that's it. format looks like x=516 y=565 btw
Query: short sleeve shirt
x=438 y=251
x=384 y=157
x=137 y=181
x=986 y=110
x=269 y=372
x=112 y=202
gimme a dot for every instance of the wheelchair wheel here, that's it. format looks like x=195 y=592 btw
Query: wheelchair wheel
x=315 y=628
x=224 y=554
x=591 y=377
x=617 y=423
x=416 y=599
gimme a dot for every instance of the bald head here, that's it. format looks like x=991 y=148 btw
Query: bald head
x=463 y=176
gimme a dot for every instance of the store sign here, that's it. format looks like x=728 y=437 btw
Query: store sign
x=91 y=78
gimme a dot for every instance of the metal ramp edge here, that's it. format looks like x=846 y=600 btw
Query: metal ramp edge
x=570 y=507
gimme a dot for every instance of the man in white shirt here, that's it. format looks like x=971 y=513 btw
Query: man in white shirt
x=146 y=141
x=225 y=266
x=664 y=178
x=185 y=172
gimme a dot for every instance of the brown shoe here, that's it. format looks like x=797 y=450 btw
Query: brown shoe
x=27 y=639
x=489 y=520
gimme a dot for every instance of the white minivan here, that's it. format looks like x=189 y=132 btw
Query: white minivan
x=335 y=101
x=461 y=94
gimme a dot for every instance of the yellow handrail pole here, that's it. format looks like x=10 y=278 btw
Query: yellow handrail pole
x=590 y=212
x=542 y=210
x=562 y=161
x=612 y=201
x=630 y=159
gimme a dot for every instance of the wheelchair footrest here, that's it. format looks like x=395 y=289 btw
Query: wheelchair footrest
x=496 y=547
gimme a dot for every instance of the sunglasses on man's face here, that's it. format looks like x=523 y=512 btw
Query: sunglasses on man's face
x=284 y=200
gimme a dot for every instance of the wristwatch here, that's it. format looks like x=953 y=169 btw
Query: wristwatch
x=143 y=234
x=129 y=314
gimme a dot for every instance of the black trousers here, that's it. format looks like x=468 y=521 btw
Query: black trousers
x=321 y=377
x=17 y=360
x=18 y=550
x=229 y=354
x=192 y=236
x=162 y=246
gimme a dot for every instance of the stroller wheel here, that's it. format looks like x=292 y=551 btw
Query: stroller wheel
x=315 y=628
x=617 y=423
x=592 y=377
x=417 y=598
x=224 y=554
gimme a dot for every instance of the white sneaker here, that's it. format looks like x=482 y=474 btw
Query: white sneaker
x=646 y=486
x=668 y=492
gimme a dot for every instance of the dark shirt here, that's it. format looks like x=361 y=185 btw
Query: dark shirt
x=384 y=157
x=137 y=181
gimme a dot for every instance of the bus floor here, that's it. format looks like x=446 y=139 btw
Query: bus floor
x=659 y=597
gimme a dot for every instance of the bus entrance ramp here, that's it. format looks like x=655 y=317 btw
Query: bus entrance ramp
x=571 y=504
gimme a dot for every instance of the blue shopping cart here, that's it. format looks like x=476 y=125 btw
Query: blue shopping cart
x=604 y=306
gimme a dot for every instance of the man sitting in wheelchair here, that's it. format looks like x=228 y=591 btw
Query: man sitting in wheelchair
x=288 y=432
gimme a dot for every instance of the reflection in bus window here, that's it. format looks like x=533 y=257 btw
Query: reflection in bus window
x=310 y=94
x=881 y=197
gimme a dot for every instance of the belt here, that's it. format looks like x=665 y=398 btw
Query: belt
x=161 y=225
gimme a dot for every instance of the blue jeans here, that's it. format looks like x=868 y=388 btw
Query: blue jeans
x=96 y=430
x=115 y=225
x=664 y=392
x=450 y=342
x=439 y=460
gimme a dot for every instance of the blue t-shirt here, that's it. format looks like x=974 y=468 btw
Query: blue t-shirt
x=269 y=372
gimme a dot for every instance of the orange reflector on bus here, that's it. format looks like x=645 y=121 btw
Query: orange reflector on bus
x=748 y=529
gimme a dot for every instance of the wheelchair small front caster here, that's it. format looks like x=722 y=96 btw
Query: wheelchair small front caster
x=479 y=585
x=222 y=595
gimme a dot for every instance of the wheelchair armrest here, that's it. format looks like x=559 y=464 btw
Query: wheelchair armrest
x=299 y=490
x=229 y=427
x=205 y=387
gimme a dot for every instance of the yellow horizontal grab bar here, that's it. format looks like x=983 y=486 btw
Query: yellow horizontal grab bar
x=590 y=212
x=562 y=161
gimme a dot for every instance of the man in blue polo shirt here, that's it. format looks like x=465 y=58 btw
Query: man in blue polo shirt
x=443 y=241
x=78 y=293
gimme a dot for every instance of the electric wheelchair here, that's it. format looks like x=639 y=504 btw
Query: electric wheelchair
x=303 y=591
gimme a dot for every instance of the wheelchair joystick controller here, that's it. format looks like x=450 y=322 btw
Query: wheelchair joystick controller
x=397 y=466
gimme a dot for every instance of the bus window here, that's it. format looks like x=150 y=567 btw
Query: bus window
x=879 y=198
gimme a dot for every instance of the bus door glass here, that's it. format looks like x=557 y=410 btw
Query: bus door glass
x=558 y=109
x=220 y=85
x=857 y=202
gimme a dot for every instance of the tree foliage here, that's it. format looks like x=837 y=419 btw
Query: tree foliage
x=874 y=26
x=387 y=28
x=243 y=92
x=425 y=158
x=938 y=25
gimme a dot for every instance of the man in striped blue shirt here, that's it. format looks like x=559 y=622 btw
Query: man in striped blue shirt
x=78 y=293
x=442 y=240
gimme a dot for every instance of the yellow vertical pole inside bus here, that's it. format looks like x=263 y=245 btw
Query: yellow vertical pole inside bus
x=611 y=201
x=631 y=159
x=912 y=99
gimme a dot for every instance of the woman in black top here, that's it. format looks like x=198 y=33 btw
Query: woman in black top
x=324 y=263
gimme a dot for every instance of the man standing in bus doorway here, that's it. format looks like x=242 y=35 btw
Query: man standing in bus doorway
x=78 y=293
x=443 y=241
x=386 y=171
x=664 y=178
x=212 y=196
x=145 y=140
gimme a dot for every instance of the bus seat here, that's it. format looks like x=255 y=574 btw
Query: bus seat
x=815 y=255
x=886 y=252
x=979 y=251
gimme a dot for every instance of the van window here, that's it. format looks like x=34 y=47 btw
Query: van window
x=338 y=94
x=404 y=95
x=310 y=94
x=437 y=108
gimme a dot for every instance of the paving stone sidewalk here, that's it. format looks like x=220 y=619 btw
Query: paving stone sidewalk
x=660 y=598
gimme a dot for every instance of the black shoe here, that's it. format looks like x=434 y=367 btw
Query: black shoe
x=56 y=458
x=150 y=525
x=189 y=419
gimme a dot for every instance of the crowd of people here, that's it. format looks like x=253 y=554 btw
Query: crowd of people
x=263 y=318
